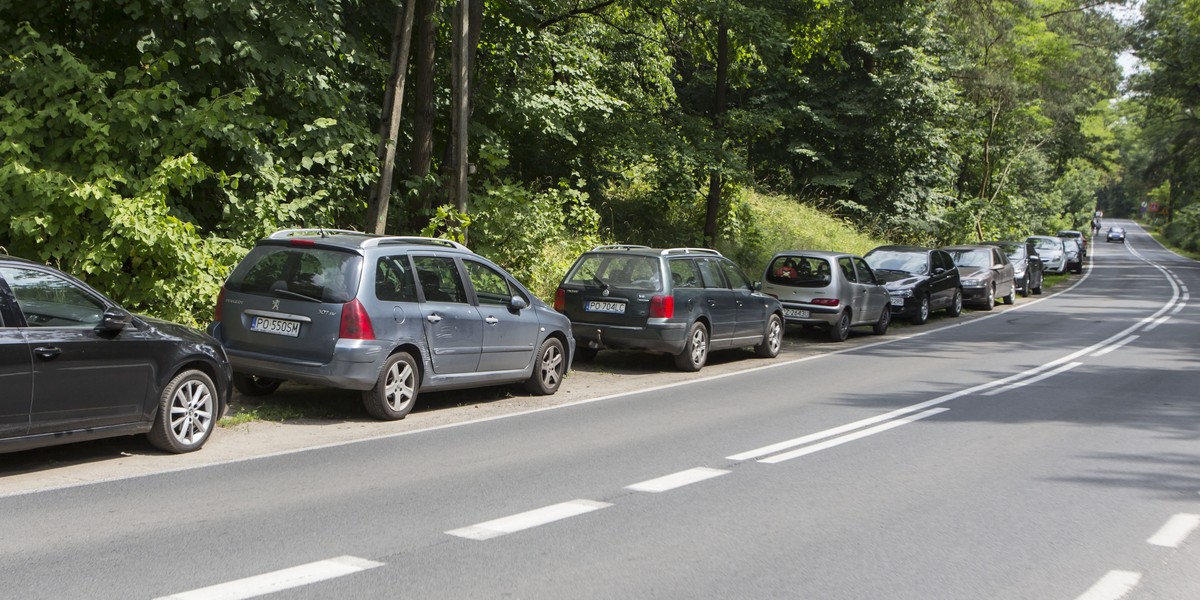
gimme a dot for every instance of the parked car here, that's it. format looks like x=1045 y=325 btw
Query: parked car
x=986 y=274
x=388 y=316
x=919 y=280
x=75 y=366
x=1053 y=252
x=1027 y=265
x=833 y=290
x=679 y=301
x=1078 y=236
x=1115 y=234
x=1074 y=256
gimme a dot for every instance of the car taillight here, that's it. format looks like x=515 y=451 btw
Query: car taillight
x=825 y=301
x=356 y=324
x=560 y=300
x=220 y=303
x=306 y=243
x=662 y=307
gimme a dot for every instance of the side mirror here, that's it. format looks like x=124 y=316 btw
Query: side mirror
x=756 y=286
x=114 y=320
x=517 y=303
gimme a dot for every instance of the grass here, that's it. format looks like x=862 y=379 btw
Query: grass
x=292 y=403
x=1156 y=232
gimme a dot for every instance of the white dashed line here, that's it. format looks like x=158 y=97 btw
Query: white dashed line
x=778 y=458
x=1177 y=529
x=676 y=480
x=1115 y=346
x=527 y=520
x=268 y=583
x=1112 y=586
x=1157 y=322
x=1020 y=384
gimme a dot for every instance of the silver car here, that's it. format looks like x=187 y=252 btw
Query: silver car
x=1053 y=252
x=833 y=290
x=389 y=316
x=986 y=274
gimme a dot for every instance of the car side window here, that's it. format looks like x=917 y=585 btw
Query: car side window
x=865 y=274
x=711 y=273
x=734 y=275
x=847 y=267
x=941 y=260
x=439 y=279
x=48 y=300
x=394 y=280
x=998 y=258
x=491 y=287
x=684 y=273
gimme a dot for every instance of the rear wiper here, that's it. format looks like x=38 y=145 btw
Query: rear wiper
x=603 y=284
x=296 y=295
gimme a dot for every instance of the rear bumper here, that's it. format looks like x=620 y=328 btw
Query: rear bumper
x=817 y=315
x=669 y=338
x=354 y=365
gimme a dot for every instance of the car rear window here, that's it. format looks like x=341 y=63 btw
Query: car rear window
x=971 y=258
x=303 y=273
x=799 y=271
x=621 y=271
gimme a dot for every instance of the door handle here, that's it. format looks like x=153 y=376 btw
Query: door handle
x=47 y=352
x=433 y=318
x=492 y=320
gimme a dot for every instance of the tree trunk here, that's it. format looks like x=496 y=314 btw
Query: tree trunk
x=713 y=207
x=462 y=82
x=424 y=111
x=389 y=126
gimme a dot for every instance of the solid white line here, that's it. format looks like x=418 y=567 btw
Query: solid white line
x=778 y=458
x=1157 y=322
x=676 y=480
x=1112 y=586
x=1115 y=346
x=1021 y=384
x=268 y=583
x=526 y=520
x=1177 y=529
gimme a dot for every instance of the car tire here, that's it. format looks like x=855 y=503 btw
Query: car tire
x=1037 y=290
x=395 y=391
x=188 y=409
x=955 y=308
x=1024 y=291
x=990 y=302
x=253 y=385
x=839 y=331
x=883 y=322
x=584 y=353
x=548 y=368
x=922 y=311
x=695 y=351
x=773 y=340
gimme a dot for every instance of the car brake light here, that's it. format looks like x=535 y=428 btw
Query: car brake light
x=356 y=324
x=303 y=243
x=220 y=303
x=825 y=301
x=662 y=307
x=560 y=300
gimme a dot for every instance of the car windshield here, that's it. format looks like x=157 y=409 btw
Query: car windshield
x=1047 y=244
x=310 y=274
x=624 y=271
x=799 y=271
x=1014 y=251
x=971 y=258
x=1069 y=234
x=898 y=260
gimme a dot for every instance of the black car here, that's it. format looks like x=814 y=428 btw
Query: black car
x=920 y=280
x=1027 y=265
x=74 y=366
x=678 y=301
x=1115 y=234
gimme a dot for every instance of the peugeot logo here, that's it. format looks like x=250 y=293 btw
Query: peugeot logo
x=274 y=305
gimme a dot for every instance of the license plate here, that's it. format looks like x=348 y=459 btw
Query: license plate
x=795 y=313
x=275 y=326
x=896 y=301
x=605 y=307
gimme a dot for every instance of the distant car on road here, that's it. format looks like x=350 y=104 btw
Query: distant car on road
x=1053 y=252
x=1115 y=234
x=1027 y=265
x=833 y=290
x=986 y=274
x=75 y=366
x=920 y=280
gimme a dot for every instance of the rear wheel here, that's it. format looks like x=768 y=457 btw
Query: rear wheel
x=187 y=411
x=1008 y=299
x=840 y=330
x=253 y=385
x=547 y=369
x=695 y=351
x=395 y=391
x=773 y=341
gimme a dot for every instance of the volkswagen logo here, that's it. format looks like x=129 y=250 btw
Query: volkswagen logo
x=604 y=292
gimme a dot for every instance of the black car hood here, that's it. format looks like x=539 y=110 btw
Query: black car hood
x=898 y=280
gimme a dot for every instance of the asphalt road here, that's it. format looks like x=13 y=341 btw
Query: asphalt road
x=1048 y=451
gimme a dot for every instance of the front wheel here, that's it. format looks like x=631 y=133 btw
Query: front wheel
x=548 y=368
x=253 y=385
x=922 y=311
x=1025 y=287
x=695 y=351
x=881 y=324
x=187 y=412
x=990 y=301
x=773 y=340
x=839 y=331
x=395 y=391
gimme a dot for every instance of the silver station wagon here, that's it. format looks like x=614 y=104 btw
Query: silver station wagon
x=833 y=290
x=386 y=315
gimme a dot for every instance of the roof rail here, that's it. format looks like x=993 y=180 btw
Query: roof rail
x=690 y=251
x=283 y=233
x=410 y=239
x=621 y=247
x=4 y=251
